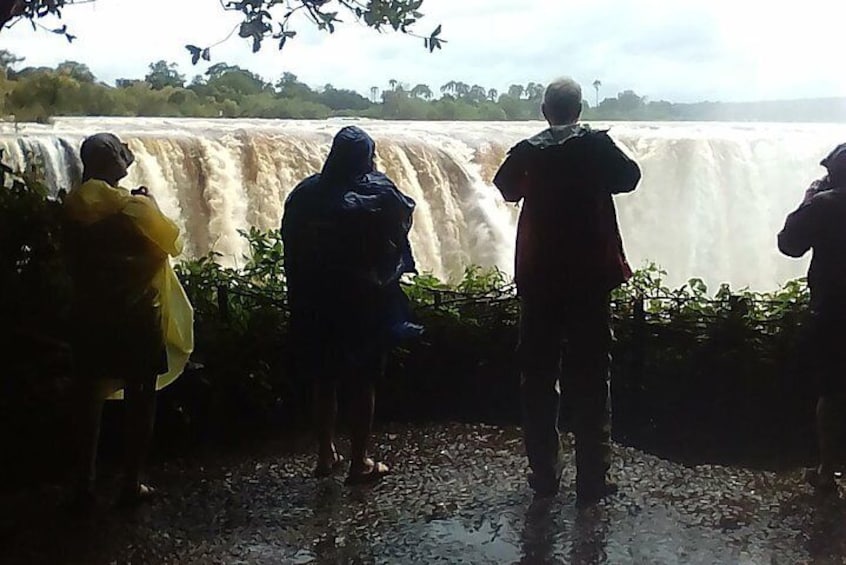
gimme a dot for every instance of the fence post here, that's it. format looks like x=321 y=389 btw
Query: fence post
x=738 y=308
x=639 y=342
x=223 y=302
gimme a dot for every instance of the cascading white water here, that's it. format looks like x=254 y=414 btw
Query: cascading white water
x=712 y=198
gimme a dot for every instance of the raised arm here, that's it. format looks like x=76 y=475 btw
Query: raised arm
x=801 y=227
x=616 y=171
x=512 y=178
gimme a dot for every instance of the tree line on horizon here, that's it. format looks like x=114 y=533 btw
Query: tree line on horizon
x=36 y=94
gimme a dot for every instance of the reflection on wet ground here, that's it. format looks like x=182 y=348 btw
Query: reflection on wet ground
x=458 y=495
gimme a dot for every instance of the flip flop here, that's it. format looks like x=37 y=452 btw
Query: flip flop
x=377 y=472
x=143 y=495
x=325 y=472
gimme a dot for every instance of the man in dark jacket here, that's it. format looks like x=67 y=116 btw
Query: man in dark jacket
x=569 y=258
x=818 y=224
x=345 y=232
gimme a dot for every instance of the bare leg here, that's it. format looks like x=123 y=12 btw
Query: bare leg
x=362 y=403
x=88 y=407
x=326 y=414
x=140 y=394
x=827 y=426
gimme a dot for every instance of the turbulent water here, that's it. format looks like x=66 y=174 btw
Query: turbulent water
x=712 y=199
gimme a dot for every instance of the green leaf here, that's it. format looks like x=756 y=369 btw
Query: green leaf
x=195 y=53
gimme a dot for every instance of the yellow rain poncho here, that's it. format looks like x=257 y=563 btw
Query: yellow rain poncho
x=114 y=266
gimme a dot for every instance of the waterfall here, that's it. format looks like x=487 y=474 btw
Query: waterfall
x=712 y=199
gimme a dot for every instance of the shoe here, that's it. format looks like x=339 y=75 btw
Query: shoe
x=822 y=485
x=588 y=494
x=135 y=497
x=375 y=472
x=323 y=471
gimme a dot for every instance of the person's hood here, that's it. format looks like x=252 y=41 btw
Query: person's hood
x=558 y=135
x=351 y=155
x=835 y=162
x=101 y=152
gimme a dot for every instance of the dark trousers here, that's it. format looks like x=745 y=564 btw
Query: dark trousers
x=579 y=327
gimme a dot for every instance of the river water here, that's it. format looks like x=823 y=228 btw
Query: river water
x=712 y=199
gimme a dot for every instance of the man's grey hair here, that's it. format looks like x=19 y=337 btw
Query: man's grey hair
x=563 y=100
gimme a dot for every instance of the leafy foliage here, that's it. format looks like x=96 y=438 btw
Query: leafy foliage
x=259 y=17
x=694 y=371
x=163 y=74
x=36 y=93
x=264 y=19
x=34 y=290
x=33 y=10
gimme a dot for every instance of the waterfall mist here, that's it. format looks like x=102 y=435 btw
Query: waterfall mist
x=711 y=202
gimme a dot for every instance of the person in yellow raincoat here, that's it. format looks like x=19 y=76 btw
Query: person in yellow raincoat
x=132 y=323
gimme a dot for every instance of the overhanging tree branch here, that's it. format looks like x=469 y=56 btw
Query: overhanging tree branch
x=259 y=17
x=263 y=19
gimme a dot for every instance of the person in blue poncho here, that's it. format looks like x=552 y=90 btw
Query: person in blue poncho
x=345 y=232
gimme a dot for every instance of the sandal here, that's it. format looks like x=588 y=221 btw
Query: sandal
x=144 y=494
x=375 y=472
x=323 y=471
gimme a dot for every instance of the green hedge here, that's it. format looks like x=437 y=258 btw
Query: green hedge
x=717 y=372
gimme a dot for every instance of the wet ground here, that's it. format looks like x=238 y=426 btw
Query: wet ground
x=458 y=495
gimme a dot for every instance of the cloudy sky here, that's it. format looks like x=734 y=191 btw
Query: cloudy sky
x=683 y=51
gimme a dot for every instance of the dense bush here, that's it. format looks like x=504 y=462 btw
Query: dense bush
x=718 y=375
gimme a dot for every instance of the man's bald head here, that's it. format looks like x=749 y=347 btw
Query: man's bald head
x=562 y=102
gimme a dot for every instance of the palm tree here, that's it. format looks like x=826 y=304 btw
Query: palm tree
x=448 y=88
x=462 y=89
x=493 y=94
x=477 y=93
x=535 y=90
x=393 y=82
x=422 y=91
x=374 y=92
x=597 y=84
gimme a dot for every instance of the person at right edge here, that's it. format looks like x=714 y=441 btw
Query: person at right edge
x=818 y=224
x=569 y=258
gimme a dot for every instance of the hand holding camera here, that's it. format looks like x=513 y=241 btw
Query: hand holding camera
x=819 y=185
x=145 y=192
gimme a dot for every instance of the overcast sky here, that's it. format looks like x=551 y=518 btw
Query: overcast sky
x=684 y=51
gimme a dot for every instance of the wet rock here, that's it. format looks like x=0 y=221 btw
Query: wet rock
x=458 y=494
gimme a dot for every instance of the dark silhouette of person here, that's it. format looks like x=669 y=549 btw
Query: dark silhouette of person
x=818 y=224
x=345 y=232
x=132 y=324
x=569 y=258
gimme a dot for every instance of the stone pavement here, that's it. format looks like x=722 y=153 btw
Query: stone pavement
x=458 y=495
